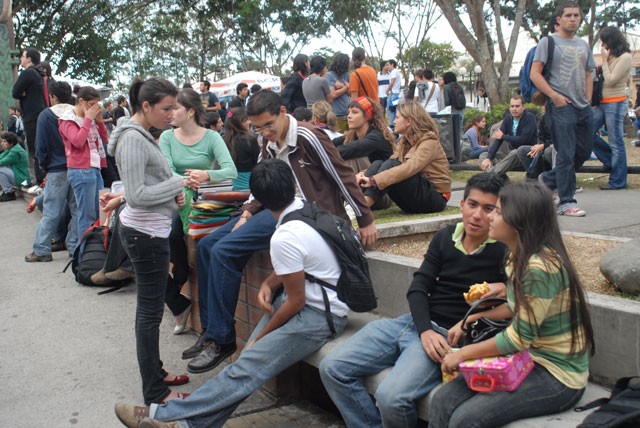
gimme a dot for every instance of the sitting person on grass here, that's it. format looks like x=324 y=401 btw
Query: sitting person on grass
x=473 y=131
x=417 y=176
x=321 y=176
x=14 y=166
x=294 y=324
x=413 y=345
x=550 y=319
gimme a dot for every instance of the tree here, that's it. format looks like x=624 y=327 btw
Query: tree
x=479 y=41
x=439 y=57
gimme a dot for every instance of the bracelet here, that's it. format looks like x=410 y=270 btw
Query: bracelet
x=122 y=201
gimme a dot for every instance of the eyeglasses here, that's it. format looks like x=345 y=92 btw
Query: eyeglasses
x=261 y=129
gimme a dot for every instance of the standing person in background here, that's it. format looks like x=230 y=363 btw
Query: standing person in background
x=449 y=97
x=316 y=87
x=432 y=92
x=569 y=86
x=364 y=80
x=120 y=110
x=29 y=90
x=212 y=121
x=107 y=119
x=616 y=64
x=242 y=91
x=153 y=194
x=83 y=133
x=255 y=88
x=15 y=124
x=59 y=198
x=482 y=101
x=383 y=83
x=292 y=95
x=441 y=97
x=209 y=100
x=393 y=91
x=338 y=78
x=242 y=145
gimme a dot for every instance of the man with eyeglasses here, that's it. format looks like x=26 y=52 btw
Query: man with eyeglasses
x=320 y=175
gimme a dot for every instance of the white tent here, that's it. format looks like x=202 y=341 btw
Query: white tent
x=226 y=88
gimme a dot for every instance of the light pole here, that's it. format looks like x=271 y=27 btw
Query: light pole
x=477 y=69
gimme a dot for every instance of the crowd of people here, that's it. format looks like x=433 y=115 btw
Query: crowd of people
x=351 y=143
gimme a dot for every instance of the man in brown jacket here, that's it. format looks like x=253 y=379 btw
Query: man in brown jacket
x=321 y=176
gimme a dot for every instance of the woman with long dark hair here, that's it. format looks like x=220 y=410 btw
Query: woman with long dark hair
x=153 y=194
x=292 y=96
x=242 y=145
x=417 y=176
x=616 y=64
x=83 y=133
x=550 y=319
x=473 y=131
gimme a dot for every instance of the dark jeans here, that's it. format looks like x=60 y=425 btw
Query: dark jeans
x=150 y=258
x=455 y=405
x=176 y=302
x=414 y=195
x=116 y=255
x=30 y=132
x=221 y=257
x=572 y=133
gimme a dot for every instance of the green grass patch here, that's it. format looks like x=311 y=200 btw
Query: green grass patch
x=394 y=213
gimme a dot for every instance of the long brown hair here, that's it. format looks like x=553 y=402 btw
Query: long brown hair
x=234 y=128
x=529 y=209
x=378 y=122
x=421 y=124
x=474 y=120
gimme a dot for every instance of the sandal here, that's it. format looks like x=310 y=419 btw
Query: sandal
x=32 y=206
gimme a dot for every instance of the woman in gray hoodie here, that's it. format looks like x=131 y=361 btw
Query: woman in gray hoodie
x=153 y=194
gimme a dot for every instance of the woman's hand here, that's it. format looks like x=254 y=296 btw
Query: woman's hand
x=197 y=174
x=94 y=112
x=181 y=199
x=110 y=201
x=604 y=53
x=362 y=180
x=191 y=183
x=451 y=362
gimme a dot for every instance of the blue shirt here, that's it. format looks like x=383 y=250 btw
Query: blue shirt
x=341 y=103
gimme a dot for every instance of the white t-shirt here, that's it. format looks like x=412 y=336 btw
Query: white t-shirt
x=383 y=84
x=395 y=89
x=296 y=246
x=432 y=105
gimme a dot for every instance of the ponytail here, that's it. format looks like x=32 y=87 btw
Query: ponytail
x=152 y=91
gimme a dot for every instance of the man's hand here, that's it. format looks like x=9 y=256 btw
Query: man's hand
x=560 y=100
x=497 y=135
x=264 y=298
x=535 y=150
x=180 y=199
x=435 y=345
x=486 y=164
x=455 y=333
x=368 y=234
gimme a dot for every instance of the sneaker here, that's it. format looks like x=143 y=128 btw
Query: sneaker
x=5 y=197
x=211 y=356
x=574 y=212
x=131 y=416
x=579 y=190
x=58 y=246
x=119 y=275
x=98 y=278
x=191 y=352
x=33 y=257
x=33 y=190
x=152 y=423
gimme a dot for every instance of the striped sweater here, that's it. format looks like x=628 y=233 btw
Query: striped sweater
x=548 y=335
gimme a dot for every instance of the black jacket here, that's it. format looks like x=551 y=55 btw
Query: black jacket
x=31 y=84
x=526 y=133
x=372 y=145
x=292 y=96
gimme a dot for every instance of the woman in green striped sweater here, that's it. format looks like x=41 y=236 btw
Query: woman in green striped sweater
x=549 y=318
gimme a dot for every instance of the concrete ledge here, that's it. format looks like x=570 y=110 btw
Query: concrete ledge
x=413 y=227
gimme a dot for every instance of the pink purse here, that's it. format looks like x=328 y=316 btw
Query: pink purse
x=501 y=373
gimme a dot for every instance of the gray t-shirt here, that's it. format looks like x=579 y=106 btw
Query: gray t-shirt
x=315 y=88
x=571 y=58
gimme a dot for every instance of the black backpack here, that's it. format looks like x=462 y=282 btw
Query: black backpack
x=89 y=257
x=458 y=101
x=354 y=285
x=621 y=410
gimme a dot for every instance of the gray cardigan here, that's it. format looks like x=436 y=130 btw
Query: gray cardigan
x=149 y=183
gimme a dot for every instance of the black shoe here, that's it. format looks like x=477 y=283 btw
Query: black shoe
x=58 y=246
x=210 y=357
x=8 y=197
x=32 y=257
x=189 y=353
x=607 y=187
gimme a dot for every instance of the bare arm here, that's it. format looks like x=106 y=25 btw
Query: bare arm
x=541 y=83
x=588 y=85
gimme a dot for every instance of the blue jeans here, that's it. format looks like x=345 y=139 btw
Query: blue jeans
x=392 y=114
x=214 y=402
x=7 y=179
x=221 y=257
x=455 y=405
x=612 y=153
x=385 y=343
x=58 y=197
x=86 y=183
x=150 y=259
x=475 y=154
x=572 y=133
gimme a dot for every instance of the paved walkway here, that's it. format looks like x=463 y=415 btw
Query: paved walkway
x=68 y=355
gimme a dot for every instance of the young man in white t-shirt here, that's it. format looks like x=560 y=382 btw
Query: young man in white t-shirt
x=393 y=91
x=294 y=325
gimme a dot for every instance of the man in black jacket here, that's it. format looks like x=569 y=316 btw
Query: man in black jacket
x=29 y=90
x=243 y=92
x=518 y=129
x=413 y=345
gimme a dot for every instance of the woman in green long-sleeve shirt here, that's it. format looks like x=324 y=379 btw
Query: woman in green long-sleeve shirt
x=191 y=151
x=549 y=318
x=14 y=166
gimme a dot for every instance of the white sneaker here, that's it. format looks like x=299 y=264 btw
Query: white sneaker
x=579 y=190
x=33 y=190
x=574 y=212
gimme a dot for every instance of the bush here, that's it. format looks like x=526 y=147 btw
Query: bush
x=494 y=116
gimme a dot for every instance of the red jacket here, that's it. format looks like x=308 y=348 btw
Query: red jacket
x=321 y=175
x=76 y=145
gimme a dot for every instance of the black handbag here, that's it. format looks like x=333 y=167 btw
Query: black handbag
x=598 y=82
x=483 y=328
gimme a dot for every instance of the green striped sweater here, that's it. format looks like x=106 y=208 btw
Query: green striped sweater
x=547 y=289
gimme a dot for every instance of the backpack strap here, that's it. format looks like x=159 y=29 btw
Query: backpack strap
x=325 y=298
x=550 y=49
x=621 y=385
x=361 y=84
x=433 y=88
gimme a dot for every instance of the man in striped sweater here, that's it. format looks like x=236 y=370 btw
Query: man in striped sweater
x=321 y=176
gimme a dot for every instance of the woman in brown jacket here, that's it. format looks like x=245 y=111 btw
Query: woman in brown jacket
x=416 y=177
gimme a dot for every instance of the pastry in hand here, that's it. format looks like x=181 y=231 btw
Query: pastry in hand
x=476 y=291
